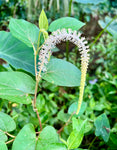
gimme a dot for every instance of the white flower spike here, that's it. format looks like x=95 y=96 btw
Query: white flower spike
x=75 y=38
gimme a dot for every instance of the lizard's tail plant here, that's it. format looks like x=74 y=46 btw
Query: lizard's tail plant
x=75 y=38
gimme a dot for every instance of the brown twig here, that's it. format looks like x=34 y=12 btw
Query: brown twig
x=61 y=129
x=39 y=119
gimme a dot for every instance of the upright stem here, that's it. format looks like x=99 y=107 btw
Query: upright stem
x=67 y=50
x=70 y=6
x=67 y=44
x=37 y=80
x=38 y=40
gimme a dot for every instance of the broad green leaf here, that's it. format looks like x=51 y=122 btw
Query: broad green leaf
x=77 y=123
x=16 y=87
x=16 y=53
x=46 y=137
x=63 y=116
x=76 y=136
x=90 y=1
x=62 y=73
x=26 y=139
x=66 y=22
x=3 y=146
x=73 y=108
x=88 y=127
x=24 y=31
x=102 y=127
x=55 y=146
x=7 y=124
x=3 y=136
x=112 y=28
x=43 y=21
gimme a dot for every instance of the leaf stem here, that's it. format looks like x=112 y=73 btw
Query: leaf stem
x=10 y=141
x=8 y=134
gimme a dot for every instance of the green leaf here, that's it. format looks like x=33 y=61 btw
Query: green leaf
x=77 y=123
x=46 y=137
x=88 y=127
x=102 y=127
x=76 y=136
x=55 y=146
x=112 y=28
x=3 y=146
x=16 y=87
x=63 y=116
x=62 y=73
x=43 y=21
x=90 y=1
x=7 y=124
x=16 y=53
x=26 y=139
x=24 y=31
x=113 y=139
x=66 y=22
x=40 y=103
x=73 y=108
x=3 y=136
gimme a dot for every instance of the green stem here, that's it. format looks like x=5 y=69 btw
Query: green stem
x=67 y=50
x=92 y=143
x=38 y=43
x=70 y=5
x=98 y=36
x=67 y=44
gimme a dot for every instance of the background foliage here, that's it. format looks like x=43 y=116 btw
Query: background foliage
x=98 y=115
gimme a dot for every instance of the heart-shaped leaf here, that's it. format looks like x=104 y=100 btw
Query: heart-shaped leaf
x=7 y=124
x=16 y=87
x=26 y=139
x=46 y=137
x=24 y=31
x=62 y=73
x=66 y=22
x=3 y=146
x=16 y=53
x=3 y=136
x=102 y=127
x=73 y=108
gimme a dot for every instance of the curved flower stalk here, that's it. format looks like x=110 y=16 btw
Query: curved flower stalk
x=75 y=38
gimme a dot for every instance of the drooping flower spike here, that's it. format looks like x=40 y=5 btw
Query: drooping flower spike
x=75 y=38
